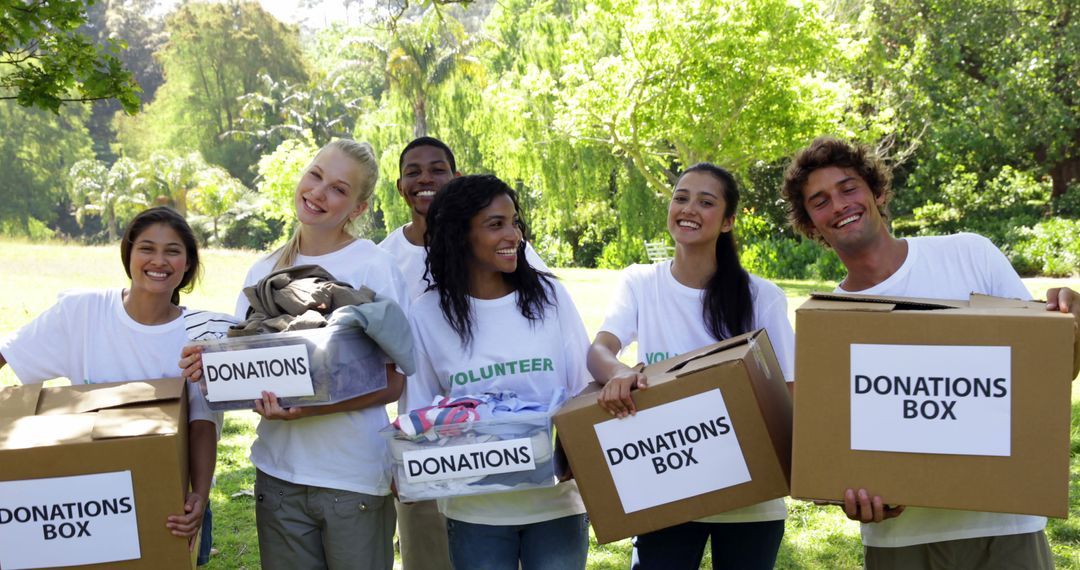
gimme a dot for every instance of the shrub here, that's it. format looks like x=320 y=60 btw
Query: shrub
x=1051 y=247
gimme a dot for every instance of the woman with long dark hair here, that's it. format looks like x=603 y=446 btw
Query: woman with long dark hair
x=701 y=296
x=94 y=336
x=488 y=308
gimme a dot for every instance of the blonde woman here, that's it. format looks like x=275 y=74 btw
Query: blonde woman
x=322 y=483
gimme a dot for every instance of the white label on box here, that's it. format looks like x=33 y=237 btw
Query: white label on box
x=674 y=451
x=931 y=399
x=473 y=460
x=244 y=374
x=68 y=521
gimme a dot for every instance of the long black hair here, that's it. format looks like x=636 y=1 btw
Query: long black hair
x=169 y=217
x=727 y=303
x=449 y=219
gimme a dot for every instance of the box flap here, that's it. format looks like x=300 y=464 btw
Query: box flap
x=979 y=301
x=863 y=302
x=41 y=431
x=19 y=401
x=131 y=422
x=91 y=397
x=690 y=361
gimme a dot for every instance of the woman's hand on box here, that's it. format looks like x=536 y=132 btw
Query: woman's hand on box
x=269 y=408
x=187 y=524
x=191 y=362
x=860 y=506
x=615 y=396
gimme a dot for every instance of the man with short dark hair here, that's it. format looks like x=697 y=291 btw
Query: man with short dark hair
x=838 y=194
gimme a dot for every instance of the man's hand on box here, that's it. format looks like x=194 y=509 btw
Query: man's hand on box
x=615 y=396
x=188 y=524
x=269 y=408
x=1066 y=300
x=191 y=362
x=860 y=506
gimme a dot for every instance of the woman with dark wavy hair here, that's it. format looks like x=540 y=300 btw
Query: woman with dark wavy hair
x=491 y=323
x=701 y=296
x=95 y=336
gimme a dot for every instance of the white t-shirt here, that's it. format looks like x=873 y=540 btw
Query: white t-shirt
x=501 y=335
x=89 y=338
x=343 y=450
x=665 y=318
x=410 y=259
x=949 y=267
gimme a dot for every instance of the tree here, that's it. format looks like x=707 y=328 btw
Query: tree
x=217 y=192
x=45 y=61
x=993 y=84
x=422 y=57
x=109 y=192
x=37 y=149
x=215 y=54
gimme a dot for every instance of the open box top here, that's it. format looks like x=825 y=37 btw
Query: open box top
x=35 y=416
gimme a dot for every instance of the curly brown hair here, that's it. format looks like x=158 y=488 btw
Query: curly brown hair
x=825 y=152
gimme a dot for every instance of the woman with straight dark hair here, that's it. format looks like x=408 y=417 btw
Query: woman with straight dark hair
x=95 y=336
x=488 y=306
x=701 y=296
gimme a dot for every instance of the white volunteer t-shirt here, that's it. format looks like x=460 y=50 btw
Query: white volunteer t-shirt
x=343 y=450
x=665 y=318
x=949 y=267
x=500 y=335
x=410 y=259
x=89 y=338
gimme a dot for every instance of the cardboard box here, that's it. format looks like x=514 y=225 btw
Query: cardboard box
x=90 y=473
x=712 y=433
x=303 y=368
x=951 y=404
x=481 y=457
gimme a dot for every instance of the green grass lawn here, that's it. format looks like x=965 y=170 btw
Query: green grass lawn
x=33 y=274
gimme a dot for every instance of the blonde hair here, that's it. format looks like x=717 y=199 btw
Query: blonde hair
x=364 y=155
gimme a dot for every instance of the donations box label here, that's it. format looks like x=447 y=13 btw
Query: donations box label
x=674 y=451
x=68 y=521
x=931 y=399
x=473 y=460
x=244 y=374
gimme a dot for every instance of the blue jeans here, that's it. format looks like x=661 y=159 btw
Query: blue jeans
x=557 y=544
x=206 y=539
x=751 y=546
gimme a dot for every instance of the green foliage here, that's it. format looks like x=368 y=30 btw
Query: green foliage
x=46 y=61
x=216 y=52
x=766 y=254
x=111 y=193
x=279 y=173
x=1051 y=248
x=37 y=148
x=992 y=208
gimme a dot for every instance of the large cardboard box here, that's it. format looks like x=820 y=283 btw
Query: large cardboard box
x=90 y=473
x=712 y=433
x=952 y=404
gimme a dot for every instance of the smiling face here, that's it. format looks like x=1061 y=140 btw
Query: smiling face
x=327 y=196
x=696 y=211
x=158 y=260
x=494 y=238
x=424 y=171
x=843 y=209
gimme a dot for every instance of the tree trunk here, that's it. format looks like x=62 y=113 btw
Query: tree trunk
x=419 y=118
x=1064 y=172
